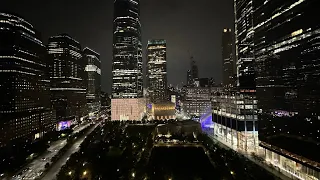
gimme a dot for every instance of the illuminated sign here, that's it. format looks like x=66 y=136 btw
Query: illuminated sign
x=63 y=125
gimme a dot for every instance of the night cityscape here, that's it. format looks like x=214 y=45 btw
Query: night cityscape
x=160 y=90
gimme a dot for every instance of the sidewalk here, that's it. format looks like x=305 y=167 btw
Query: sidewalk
x=263 y=165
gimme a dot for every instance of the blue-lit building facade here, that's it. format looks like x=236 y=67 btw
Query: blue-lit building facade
x=92 y=79
x=157 y=70
x=287 y=51
x=67 y=76
x=25 y=113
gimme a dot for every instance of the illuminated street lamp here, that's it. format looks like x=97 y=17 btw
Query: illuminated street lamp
x=70 y=173
x=84 y=173
x=133 y=174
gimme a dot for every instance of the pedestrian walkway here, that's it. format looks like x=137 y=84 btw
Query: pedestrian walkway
x=267 y=167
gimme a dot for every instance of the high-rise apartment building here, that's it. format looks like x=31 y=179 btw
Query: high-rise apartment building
x=68 y=92
x=92 y=78
x=244 y=44
x=228 y=62
x=127 y=50
x=287 y=51
x=157 y=70
x=127 y=75
x=25 y=112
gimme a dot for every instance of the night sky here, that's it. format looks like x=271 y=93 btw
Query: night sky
x=191 y=27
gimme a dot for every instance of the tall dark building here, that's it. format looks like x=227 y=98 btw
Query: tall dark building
x=192 y=73
x=68 y=92
x=157 y=69
x=228 y=62
x=127 y=50
x=244 y=44
x=287 y=51
x=92 y=78
x=25 y=112
x=194 y=69
x=189 y=78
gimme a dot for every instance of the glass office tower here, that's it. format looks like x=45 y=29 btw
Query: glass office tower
x=287 y=51
x=157 y=70
x=25 y=112
x=228 y=62
x=244 y=43
x=92 y=79
x=127 y=81
x=127 y=77
x=68 y=90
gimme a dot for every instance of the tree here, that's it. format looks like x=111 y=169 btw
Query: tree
x=47 y=165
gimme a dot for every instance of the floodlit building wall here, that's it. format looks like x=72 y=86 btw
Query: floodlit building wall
x=127 y=109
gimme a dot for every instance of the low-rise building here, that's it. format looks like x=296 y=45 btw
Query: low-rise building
x=162 y=111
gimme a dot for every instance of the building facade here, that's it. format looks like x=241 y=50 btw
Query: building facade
x=228 y=62
x=92 y=79
x=67 y=76
x=127 y=79
x=163 y=111
x=157 y=70
x=287 y=47
x=127 y=74
x=244 y=33
x=197 y=101
x=25 y=112
x=235 y=117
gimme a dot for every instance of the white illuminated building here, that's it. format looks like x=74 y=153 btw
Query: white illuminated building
x=128 y=109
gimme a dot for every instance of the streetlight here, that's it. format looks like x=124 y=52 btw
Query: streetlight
x=84 y=173
x=70 y=173
x=133 y=174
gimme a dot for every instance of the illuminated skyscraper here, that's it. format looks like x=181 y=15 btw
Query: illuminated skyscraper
x=92 y=78
x=157 y=70
x=244 y=43
x=68 y=92
x=127 y=77
x=287 y=51
x=25 y=112
x=127 y=50
x=228 y=62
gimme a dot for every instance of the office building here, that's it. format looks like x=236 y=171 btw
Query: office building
x=25 y=101
x=67 y=75
x=244 y=44
x=235 y=117
x=197 y=101
x=127 y=75
x=189 y=78
x=192 y=73
x=287 y=48
x=228 y=62
x=157 y=70
x=92 y=79
x=127 y=50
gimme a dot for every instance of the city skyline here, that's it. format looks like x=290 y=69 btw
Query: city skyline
x=96 y=30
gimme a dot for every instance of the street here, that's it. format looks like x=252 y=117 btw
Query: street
x=36 y=167
x=54 y=170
